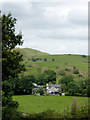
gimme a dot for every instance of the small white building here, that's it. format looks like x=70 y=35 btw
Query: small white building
x=53 y=89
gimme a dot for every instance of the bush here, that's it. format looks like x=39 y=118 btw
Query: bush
x=67 y=69
x=66 y=79
x=77 y=94
x=9 y=113
x=41 y=91
x=45 y=59
x=78 y=111
x=74 y=67
x=84 y=56
x=13 y=104
x=76 y=71
x=53 y=59
x=33 y=59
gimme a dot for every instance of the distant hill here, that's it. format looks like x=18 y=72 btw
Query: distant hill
x=28 y=52
x=58 y=63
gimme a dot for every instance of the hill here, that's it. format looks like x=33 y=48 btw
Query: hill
x=28 y=52
x=37 y=62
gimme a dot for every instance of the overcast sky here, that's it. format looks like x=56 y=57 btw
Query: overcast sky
x=59 y=27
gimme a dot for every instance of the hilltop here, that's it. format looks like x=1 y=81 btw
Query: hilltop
x=28 y=52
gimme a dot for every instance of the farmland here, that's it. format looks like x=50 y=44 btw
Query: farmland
x=54 y=62
x=36 y=104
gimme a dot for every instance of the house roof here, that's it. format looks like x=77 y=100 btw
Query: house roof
x=53 y=89
x=35 y=89
x=54 y=85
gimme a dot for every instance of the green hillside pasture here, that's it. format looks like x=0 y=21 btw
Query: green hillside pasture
x=61 y=62
x=36 y=104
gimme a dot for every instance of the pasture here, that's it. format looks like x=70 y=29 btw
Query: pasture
x=60 y=61
x=37 y=104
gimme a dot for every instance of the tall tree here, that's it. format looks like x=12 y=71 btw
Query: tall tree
x=11 y=64
x=10 y=58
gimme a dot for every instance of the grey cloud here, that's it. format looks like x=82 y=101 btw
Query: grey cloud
x=78 y=16
x=49 y=33
x=17 y=10
x=63 y=34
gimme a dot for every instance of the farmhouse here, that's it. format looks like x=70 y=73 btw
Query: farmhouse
x=53 y=89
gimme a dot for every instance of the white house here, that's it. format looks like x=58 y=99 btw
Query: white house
x=53 y=89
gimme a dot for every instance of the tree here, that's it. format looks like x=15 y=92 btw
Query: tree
x=76 y=71
x=11 y=62
x=53 y=59
x=45 y=59
x=66 y=79
x=10 y=58
x=46 y=77
x=63 y=87
x=72 y=88
x=51 y=76
x=9 y=38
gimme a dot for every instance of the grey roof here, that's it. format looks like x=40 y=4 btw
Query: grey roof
x=54 y=85
x=34 y=89
x=40 y=86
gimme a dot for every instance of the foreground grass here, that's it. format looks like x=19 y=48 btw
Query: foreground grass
x=37 y=104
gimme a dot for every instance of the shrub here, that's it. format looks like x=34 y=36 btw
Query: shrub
x=79 y=111
x=33 y=59
x=45 y=59
x=76 y=71
x=67 y=69
x=77 y=94
x=74 y=67
x=41 y=91
x=66 y=79
x=53 y=59
x=84 y=56
x=10 y=113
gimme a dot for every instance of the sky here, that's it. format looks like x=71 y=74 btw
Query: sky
x=51 y=26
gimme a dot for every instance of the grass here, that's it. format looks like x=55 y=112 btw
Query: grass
x=37 y=104
x=61 y=61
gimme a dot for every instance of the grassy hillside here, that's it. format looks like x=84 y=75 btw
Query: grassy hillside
x=36 y=104
x=28 y=52
x=54 y=62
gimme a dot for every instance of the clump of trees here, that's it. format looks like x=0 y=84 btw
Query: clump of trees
x=72 y=87
x=83 y=56
x=46 y=77
x=36 y=59
x=66 y=79
x=23 y=85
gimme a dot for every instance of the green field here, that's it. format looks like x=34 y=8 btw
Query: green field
x=61 y=62
x=36 y=104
